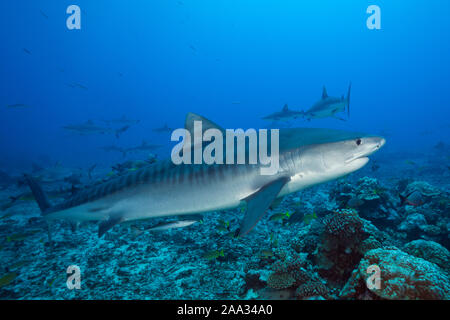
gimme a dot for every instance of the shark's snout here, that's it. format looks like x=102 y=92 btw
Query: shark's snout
x=375 y=144
x=378 y=142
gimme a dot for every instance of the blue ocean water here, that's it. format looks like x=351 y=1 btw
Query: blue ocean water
x=233 y=62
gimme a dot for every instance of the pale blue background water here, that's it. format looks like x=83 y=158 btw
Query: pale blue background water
x=200 y=56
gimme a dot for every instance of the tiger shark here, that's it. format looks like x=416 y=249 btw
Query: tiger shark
x=307 y=157
x=329 y=106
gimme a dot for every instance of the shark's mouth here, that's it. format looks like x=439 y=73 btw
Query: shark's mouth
x=357 y=157
x=356 y=163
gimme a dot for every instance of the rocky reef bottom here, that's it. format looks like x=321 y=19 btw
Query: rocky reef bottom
x=355 y=238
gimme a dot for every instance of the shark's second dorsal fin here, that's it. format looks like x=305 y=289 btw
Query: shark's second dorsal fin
x=285 y=108
x=106 y=225
x=206 y=124
x=324 y=93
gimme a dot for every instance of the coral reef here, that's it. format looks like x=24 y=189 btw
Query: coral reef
x=322 y=251
x=402 y=277
x=430 y=251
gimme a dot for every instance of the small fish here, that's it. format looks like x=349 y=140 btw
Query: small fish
x=309 y=217
x=355 y=202
x=7 y=279
x=214 y=254
x=172 y=225
x=16 y=237
x=27 y=51
x=223 y=229
x=414 y=199
x=43 y=14
x=110 y=174
x=21 y=236
x=235 y=102
x=410 y=162
x=24 y=197
x=17 y=105
x=266 y=254
x=192 y=47
x=80 y=86
x=224 y=223
x=375 y=167
x=280 y=216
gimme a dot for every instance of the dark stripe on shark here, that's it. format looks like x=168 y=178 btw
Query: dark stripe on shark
x=152 y=174
x=159 y=173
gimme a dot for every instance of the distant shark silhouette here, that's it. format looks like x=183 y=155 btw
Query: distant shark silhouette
x=284 y=115
x=328 y=107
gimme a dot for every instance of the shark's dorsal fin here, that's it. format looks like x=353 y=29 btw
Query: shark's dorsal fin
x=206 y=124
x=258 y=203
x=324 y=93
x=285 y=108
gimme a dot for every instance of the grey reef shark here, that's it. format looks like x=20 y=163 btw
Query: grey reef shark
x=328 y=107
x=285 y=114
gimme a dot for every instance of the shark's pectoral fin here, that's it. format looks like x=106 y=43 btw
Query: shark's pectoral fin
x=258 y=203
x=104 y=226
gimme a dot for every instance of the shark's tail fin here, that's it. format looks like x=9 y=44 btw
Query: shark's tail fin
x=38 y=193
x=348 y=99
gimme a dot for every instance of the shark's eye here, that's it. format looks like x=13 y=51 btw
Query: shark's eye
x=358 y=142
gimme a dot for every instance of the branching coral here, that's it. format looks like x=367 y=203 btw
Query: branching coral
x=312 y=289
x=280 y=280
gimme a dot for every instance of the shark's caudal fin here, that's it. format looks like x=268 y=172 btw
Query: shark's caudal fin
x=38 y=193
x=348 y=99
